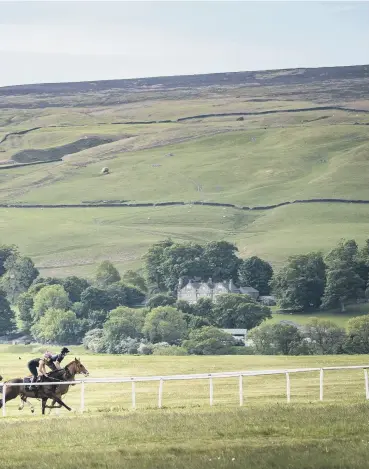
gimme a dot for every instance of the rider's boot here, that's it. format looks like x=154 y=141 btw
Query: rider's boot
x=32 y=387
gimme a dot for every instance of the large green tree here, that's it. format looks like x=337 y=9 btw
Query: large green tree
x=257 y=273
x=221 y=261
x=165 y=324
x=153 y=261
x=204 y=308
x=95 y=299
x=134 y=279
x=325 y=336
x=106 y=274
x=277 y=339
x=74 y=286
x=6 y=251
x=358 y=335
x=24 y=313
x=299 y=285
x=167 y=261
x=233 y=311
x=181 y=260
x=58 y=325
x=50 y=297
x=19 y=275
x=344 y=284
x=161 y=299
x=124 y=322
x=7 y=322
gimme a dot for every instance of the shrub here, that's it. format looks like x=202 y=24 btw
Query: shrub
x=145 y=348
x=94 y=341
x=165 y=324
x=208 y=340
x=170 y=350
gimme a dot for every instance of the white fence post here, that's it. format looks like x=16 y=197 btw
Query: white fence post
x=160 y=397
x=321 y=382
x=133 y=395
x=241 y=390
x=288 y=387
x=366 y=383
x=82 y=396
x=211 y=390
x=4 y=403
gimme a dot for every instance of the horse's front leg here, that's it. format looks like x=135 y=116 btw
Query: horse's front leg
x=59 y=401
x=44 y=400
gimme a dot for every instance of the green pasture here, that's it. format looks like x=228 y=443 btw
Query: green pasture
x=73 y=241
x=265 y=432
x=339 y=386
x=243 y=166
x=341 y=319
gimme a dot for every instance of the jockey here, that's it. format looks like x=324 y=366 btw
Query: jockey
x=57 y=359
x=52 y=361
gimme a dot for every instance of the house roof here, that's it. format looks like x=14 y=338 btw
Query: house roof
x=196 y=284
x=248 y=290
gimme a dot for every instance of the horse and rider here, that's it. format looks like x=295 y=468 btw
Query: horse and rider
x=37 y=366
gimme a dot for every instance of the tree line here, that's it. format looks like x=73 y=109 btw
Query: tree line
x=311 y=281
x=138 y=312
x=123 y=314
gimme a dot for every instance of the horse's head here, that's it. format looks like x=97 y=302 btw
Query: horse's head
x=78 y=367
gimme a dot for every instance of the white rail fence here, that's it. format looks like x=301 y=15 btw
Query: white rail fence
x=208 y=376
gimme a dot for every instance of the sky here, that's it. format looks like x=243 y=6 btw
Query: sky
x=58 y=41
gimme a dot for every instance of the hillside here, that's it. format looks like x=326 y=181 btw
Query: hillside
x=250 y=139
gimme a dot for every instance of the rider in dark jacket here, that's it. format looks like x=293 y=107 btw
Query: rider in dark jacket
x=37 y=365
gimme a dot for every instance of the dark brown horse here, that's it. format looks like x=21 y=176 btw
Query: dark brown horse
x=52 y=391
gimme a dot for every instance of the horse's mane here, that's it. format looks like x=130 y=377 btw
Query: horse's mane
x=70 y=363
x=62 y=369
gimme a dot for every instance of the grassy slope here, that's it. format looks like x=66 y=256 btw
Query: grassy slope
x=244 y=166
x=264 y=159
x=265 y=433
x=66 y=241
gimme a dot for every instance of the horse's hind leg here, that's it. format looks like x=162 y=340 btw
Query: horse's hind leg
x=21 y=405
x=52 y=406
x=10 y=394
x=24 y=400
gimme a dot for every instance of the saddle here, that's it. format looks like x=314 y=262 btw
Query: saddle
x=27 y=381
x=29 y=385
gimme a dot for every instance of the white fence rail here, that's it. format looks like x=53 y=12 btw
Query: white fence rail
x=209 y=376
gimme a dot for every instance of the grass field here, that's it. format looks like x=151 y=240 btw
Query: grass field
x=73 y=241
x=264 y=159
x=240 y=165
x=266 y=432
x=340 y=386
x=341 y=319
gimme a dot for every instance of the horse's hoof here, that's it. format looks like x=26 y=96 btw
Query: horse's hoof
x=33 y=411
